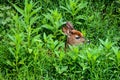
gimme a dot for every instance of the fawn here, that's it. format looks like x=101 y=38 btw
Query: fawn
x=74 y=37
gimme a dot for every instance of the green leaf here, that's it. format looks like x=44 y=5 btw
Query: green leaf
x=44 y=37
x=36 y=30
x=11 y=51
x=107 y=43
x=62 y=55
x=9 y=63
x=115 y=49
x=61 y=69
x=80 y=7
x=49 y=17
x=68 y=11
x=33 y=19
x=22 y=61
x=117 y=52
x=30 y=50
x=89 y=55
x=79 y=17
x=49 y=27
x=118 y=56
x=11 y=37
x=35 y=11
x=21 y=11
x=29 y=8
x=78 y=23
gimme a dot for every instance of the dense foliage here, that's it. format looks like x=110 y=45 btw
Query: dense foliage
x=32 y=42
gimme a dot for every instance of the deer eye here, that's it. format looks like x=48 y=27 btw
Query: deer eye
x=77 y=37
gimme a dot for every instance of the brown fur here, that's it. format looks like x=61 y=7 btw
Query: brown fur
x=74 y=37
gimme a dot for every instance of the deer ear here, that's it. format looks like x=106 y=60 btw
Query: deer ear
x=69 y=25
x=66 y=30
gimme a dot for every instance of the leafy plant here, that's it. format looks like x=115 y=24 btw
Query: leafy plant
x=52 y=22
x=74 y=8
x=32 y=44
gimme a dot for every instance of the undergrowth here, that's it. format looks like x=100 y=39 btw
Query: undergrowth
x=32 y=42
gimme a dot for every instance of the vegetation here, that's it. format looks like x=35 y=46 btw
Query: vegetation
x=32 y=42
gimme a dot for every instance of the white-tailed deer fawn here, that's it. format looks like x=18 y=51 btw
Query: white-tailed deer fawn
x=74 y=37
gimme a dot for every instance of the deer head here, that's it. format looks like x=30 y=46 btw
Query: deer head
x=74 y=37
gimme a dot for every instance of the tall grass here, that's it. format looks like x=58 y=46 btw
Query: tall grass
x=32 y=42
